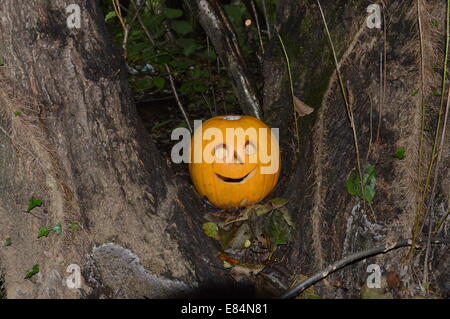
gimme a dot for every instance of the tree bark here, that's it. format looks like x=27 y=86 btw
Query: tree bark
x=332 y=223
x=219 y=29
x=78 y=145
x=70 y=135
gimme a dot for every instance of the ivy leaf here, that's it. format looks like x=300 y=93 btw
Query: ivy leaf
x=159 y=82
x=173 y=13
x=261 y=209
x=43 y=232
x=8 y=242
x=33 y=202
x=57 y=229
x=279 y=231
x=109 y=15
x=181 y=27
x=287 y=216
x=210 y=229
x=143 y=84
x=32 y=272
x=369 y=183
x=278 y=202
x=353 y=184
x=188 y=45
x=400 y=153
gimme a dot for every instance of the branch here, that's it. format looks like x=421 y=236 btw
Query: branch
x=296 y=290
x=219 y=29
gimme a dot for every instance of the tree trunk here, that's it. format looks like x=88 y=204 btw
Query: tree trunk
x=219 y=29
x=78 y=145
x=332 y=223
x=70 y=135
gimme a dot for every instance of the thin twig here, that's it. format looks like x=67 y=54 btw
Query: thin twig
x=297 y=289
x=266 y=17
x=380 y=105
x=126 y=27
x=252 y=3
x=208 y=46
x=347 y=104
x=434 y=156
x=433 y=191
x=422 y=108
x=291 y=86
x=441 y=222
x=207 y=104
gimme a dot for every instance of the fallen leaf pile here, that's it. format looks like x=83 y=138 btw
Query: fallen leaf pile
x=260 y=228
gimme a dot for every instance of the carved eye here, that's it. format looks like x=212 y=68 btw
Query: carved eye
x=221 y=152
x=250 y=148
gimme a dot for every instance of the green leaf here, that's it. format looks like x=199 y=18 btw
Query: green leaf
x=199 y=88
x=400 y=153
x=17 y=113
x=163 y=58
x=279 y=231
x=426 y=128
x=414 y=92
x=74 y=226
x=353 y=184
x=278 y=202
x=143 y=84
x=8 y=242
x=435 y=22
x=173 y=13
x=369 y=183
x=159 y=82
x=32 y=272
x=109 y=15
x=43 y=232
x=57 y=229
x=262 y=209
x=210 y=229
x=2 y=63
x=182 y=27
x=437 y=93
x=235 y=12
x=33 y=202
x=188 y=45
x=287 y=216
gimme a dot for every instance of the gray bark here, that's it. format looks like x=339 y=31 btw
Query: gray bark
x=79 y=146
x=219 y=29
x=333 y=223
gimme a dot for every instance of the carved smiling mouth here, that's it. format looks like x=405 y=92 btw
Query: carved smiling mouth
x=236 y=180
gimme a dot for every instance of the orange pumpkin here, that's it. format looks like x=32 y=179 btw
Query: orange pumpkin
x=235 y=160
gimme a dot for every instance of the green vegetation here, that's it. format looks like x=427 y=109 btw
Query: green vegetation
x=369 y=183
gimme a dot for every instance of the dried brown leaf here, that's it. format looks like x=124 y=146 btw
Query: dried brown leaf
x=301 y=108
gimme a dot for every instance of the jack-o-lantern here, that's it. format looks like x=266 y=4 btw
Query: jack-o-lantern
x=234 y=160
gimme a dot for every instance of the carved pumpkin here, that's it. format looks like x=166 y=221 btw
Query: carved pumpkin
x=235 y=160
